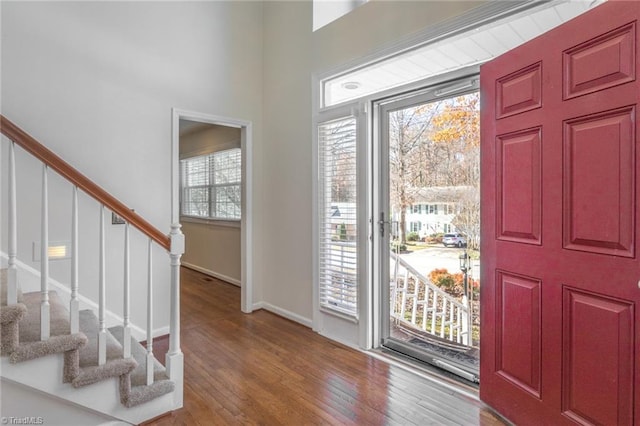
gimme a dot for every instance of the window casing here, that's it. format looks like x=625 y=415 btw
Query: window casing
x=211 y=185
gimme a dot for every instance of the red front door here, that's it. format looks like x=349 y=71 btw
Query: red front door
x=560 y=181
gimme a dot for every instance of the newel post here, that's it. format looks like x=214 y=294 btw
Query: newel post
x=175 y=357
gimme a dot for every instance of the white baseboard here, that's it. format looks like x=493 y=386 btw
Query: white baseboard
x=213 y=274
x=283 y=313
x=342 y=341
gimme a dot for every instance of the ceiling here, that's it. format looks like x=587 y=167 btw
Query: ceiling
x=471 y=48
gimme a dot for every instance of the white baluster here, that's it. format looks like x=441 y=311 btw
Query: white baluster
x=416 y=291
x=175 y=358
x=405 y=288
x=466 y=330
x=451 y=323
x=396 y=273
x=45 y=323
x=393 y=290
x=434 y=312
x=459 y=325
x=102 y=333
x=12 y=272
x=425 y=307
x=443 y=316
x=150 y=358
x=127 y=307
x=74 y=304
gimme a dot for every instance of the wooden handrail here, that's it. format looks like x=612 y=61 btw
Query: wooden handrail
x=56 y=163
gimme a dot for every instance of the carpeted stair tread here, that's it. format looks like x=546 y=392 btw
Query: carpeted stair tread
x=9 y=318
x=54 y=345
x=30 y=323
x=28 y=345
x=90 y=326
x=12 y=313
x=89 y=370
x=21 y=332
x=139 y=353
x=136 y=391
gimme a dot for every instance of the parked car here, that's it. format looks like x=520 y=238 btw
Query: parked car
x=454 y=240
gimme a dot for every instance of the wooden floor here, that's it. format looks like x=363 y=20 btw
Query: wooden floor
x=259 y=368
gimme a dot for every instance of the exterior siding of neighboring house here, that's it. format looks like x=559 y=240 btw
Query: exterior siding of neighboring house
x=430 y=218
x=434 y=209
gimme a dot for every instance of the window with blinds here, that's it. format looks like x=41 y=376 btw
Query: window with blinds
x=210 y=185
x=338 y=225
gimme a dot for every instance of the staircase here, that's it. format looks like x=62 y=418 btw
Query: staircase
x=64 y=347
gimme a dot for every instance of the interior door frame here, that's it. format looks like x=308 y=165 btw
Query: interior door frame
x=246 y=221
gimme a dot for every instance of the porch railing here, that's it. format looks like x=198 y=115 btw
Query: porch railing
x=417 y=302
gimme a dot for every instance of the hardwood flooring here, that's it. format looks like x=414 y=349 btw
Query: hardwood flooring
x=259 y=368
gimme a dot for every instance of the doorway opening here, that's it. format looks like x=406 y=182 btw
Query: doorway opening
x=409 y=75
x=429 y=247
x=212 y=197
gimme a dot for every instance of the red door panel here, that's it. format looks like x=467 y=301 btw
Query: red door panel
x=591 y=393
x=519 y=355
x=519 y=185
x=600 y=63
x=560 y=181
x=598 y=188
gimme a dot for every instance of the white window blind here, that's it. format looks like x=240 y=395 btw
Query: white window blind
x=338 y=274
x=211 y=185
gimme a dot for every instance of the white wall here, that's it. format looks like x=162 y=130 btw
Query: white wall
x=18 y=401
x=286 y=256
x=376 y=25
x=293 y=53
x=96 y=81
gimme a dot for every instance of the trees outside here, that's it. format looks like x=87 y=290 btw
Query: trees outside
x=409 y=128
x=437 y=144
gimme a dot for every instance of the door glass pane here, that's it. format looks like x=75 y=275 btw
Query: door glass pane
x=434 y=205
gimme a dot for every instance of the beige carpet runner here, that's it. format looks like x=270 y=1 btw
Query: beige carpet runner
x=20 y=341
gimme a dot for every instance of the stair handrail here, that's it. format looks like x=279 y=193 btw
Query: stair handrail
x=64 y=169
x=172 y=242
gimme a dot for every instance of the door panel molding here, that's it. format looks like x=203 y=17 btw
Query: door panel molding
x=599 y=152
x=601 y=63
x=519 y=181
x=522 y=366
x=593 y=391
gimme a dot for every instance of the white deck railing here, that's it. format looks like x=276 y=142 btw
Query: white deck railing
x=416 y=301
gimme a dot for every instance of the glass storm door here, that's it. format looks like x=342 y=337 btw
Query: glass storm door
x=428 y=225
